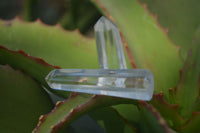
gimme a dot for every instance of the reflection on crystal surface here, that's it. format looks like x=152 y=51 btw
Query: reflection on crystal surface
x=137 y=84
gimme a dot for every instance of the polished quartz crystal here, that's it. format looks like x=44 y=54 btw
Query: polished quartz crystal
x=113 y=78
x=109 y=45
x=138 y=83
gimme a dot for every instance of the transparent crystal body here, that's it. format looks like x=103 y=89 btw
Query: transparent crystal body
x=109 y=45
x=138 y=83
x=113 y=78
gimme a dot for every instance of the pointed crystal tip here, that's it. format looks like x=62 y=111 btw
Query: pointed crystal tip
x=104 y=23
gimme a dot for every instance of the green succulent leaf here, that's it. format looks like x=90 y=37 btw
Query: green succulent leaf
x=111 y=121
x=52 y=43
x=193 y=125
x=76 y=105
x=149 y=45
x=22 y=101
x=168 y=111
x=130 y=112
x=151 y=121
x=38 y=69
x=34 y=67
x=180 y=18
x=189 y=85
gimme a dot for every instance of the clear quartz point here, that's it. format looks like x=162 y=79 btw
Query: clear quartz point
x=109 y=45
x=113 y=78
x=138 y=83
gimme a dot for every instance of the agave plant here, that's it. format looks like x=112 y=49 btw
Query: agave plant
x=162 y=36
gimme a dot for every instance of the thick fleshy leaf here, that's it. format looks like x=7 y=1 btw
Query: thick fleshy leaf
x=189 y=85
x=193 y=125
x=75 y=106
x=149 y=44
x=36 y=68
x=179 y=17
x=130 y=112
x=151 y=121
x=196 y=107
x=52 y=43
x=111 y=121
x=168 y=111
x=22 y=101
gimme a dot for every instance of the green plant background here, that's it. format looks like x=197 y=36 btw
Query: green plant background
x=37 y=36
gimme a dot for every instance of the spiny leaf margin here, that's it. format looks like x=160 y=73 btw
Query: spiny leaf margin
x=148 y=49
